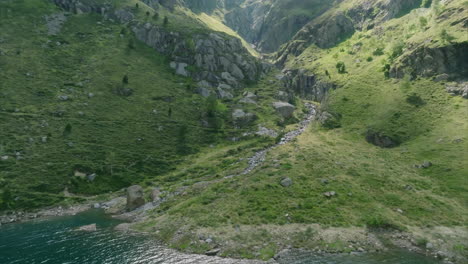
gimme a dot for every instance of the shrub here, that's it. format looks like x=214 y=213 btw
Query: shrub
x=445 y=36
x=415 y=100
x=423 y=22
x=397 y=50
x=166 y=21
x=426 y=3
x=378 y=52
x=125 y=79
x=341 y=67
x=156 y=16
x=369 y=59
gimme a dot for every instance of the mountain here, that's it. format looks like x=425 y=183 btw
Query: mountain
x=253 y=126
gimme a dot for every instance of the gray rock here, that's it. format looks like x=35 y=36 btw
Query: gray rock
x=286 y=182
x=213 y=252
x=263 y=131
x=181 y=69
x=91 y=177
x=286 y=110
x=135 y=197
x=64 y=97
x=155 y=195
x=329 y=194
x=87 y=228
x=222 y=94
x=124 y=227
x=5 y=157
x=242 y=118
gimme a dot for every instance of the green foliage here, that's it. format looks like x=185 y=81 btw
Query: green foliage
x=166 y=21
x=445 y=36
x=423 y=22
x=396 y=50
x=369 y=59
x=125 y=79
x=341 y=67
x=378 y=51
x=415 y=100
x=67 y=131
x=156 y=16
x=426 y=3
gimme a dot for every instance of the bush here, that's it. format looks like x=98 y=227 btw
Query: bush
x=341 y=67
x=415 y=100
x=166 y=21
x=426 y=3
x=378 y=52
x=423 y=22
x=369 y=59
x=397 y=50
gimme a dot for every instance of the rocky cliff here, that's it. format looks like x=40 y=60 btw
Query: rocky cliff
x=450 y=60
x=216 y=61
x=305 y=85
x=341 y=22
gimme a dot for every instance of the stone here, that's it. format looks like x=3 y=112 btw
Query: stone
x=286 y=110
x=44 y=139
x=286 y=182
x=124 y=227
x=181 y=69
x=79 y=174
x=213 y=252
x=426 y=164
x=429 y=245
x=399 y=211
x=263 y=131
x=87 y=228
x=380 y=139
x=222 y=94
x=91 y=177
x=329 y=194
x=242 y=118
x=64 y=97
x=324 y=181
x=155 y=195
x=135 y=197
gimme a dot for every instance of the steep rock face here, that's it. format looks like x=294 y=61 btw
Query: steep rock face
x=306 y=85
x=213 y=59
x=336 y=25
x=427 y=62
x=269 y=24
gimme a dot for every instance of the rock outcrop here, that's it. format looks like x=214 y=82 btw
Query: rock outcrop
x=211 y=59
x=286 y=110
x=306 y=85
x=428 y=62
x=135 y=197
x=335 y=25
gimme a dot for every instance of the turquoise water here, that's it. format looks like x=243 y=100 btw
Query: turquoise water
x=54 y=241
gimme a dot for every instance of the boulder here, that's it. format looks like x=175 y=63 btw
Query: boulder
x=135 y=197
x=380 y=139
x=87 y=228
x=286 y=182
x=329 y=194
x=155 y=195
x=180 y=70
x=286 y=110
x=124 y=227
x=241 y=118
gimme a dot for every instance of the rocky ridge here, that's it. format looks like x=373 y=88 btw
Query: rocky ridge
x=219 y=63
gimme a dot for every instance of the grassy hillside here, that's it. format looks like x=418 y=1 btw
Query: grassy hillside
x=67 y=112
x=374 y=187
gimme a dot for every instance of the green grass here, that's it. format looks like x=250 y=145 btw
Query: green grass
x=124 y=140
